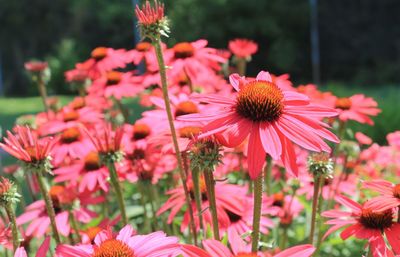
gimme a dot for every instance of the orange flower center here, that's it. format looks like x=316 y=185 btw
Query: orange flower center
x=260 y=101
x=183 y=50
x=376 y=220
x=78 y=103
x=246 y=255
x=140 y=131
x=189 y=132
x=99 y=53
x=396 y=191
x=343 y=103
x=113 y=248
x=70 y=116
x=279 y=199
x=70 y=135
x=183 y=79
x=92 y=232
x=186 y=107
x=31 y=150
x=92 y=161
x=113 y=78
x=55 y=193
x=143 y=46
x=138 y=154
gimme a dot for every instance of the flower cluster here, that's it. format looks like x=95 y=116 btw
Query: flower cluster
x=183 y=172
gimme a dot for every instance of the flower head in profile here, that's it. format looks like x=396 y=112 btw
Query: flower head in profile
x=8 y=192
x=270 y=117
x=35 y=66
x=107 y=142
x=26 y=146
x=243 y=48
x=152 y=21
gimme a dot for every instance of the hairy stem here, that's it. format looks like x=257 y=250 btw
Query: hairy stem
x=317 y=183
x=258 y=190
x=210 y=184
x=118 y=192
x=49 y=206
x=197 y=197
x=157 y=45
x=14 y=229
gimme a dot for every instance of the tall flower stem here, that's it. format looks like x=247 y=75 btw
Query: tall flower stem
x=146 y=223
x=267 y=178
x=74 y=225
x=241 y=66
x=43 y=93
x=157 y=45
x=197 y=196
x=14 y=229
x=258 y=190
x=49 y=206
x=317 y=183
x=210 y=184
x=118 y=191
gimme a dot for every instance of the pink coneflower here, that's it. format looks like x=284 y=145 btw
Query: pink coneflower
x=389 y=198
x=229 y=198
x=149 y=15
x=271 y=117
x=241 y=222
x=316 y=96
x=193 y=58
x=105 y=139
x=127 y=244
x=26 y=146
x=363 y=139
x=116 y=84
x=35 y=66
x=181 y=105
x=73 y=144
x=39 y=222
x=243 y=48
x=365 y=223
x=358 y=108
x=69 y=117
x=103 y=59
x=146 y=162
x=240 y=249
x=41 y=252
x=88 y=173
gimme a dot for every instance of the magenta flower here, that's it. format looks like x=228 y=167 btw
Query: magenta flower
x=270 y=117
x=243 y=48
x=149 y=15
x=26 y=146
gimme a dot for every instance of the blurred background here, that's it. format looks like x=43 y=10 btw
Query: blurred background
x=356 y=44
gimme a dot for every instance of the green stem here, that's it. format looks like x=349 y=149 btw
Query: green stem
x=268 y=180
x=258 y=190
x=317 y=183
x=14 y=228
x=118 y=191
x=43 y=94
x=49 y=206
x=197 y=197
x=164 y=84
x=146 y=224
x=123 y=110
x=284 y=237
x=74 y=225
x=152 y=202
x=241 y=66
x=210 y=184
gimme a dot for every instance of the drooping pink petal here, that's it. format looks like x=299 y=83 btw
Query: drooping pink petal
x=255 y=153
